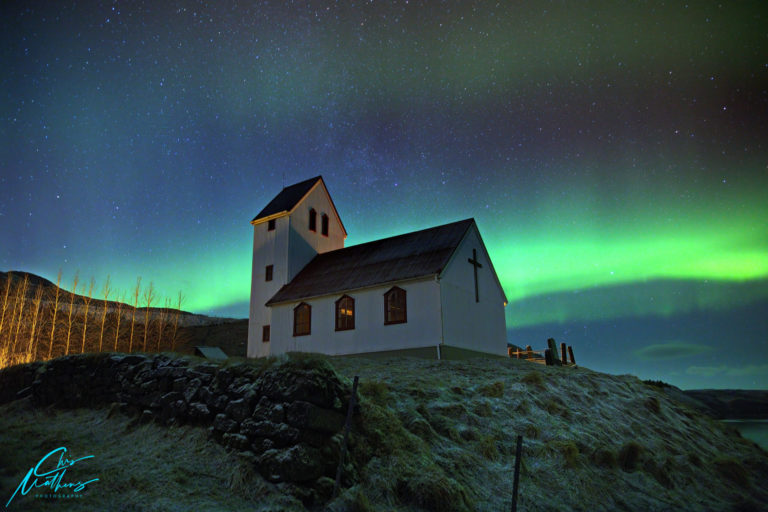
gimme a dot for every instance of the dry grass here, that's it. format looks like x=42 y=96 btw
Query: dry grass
x=416 y=444
x=148 y=467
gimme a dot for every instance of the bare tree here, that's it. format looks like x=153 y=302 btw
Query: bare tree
x=22 y=299
x=6 y=304
x=149 y=296
x=176 y=320
x=163 y=321
x=55 y=312
x=71 y=320
x=87 y=300
x=105 y=291
x=133 y=314
x=119 y=317
x=5 y=344
x=31 y=352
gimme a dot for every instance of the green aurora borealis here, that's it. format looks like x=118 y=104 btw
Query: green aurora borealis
x=613 y=155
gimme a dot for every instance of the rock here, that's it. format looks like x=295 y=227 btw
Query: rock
x=24 y=393
x=224 y=424
x=180 y=384
x=262 y=444
x=220 y=402
x=207 y=368
x=324 y=488
x=205 y=378
x=133 y=360
x=287 y=383
x=146 y=417
x=170 y=397
x=192 y=389
x=306 y=415
x=238 y=410
x=266 y=410
x=178 y=409
x=235 y=441
x=198 y=411
x=300 y=463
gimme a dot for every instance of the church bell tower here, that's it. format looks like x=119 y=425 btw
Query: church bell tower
x=297 y=225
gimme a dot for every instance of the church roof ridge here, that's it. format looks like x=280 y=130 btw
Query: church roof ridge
x=410 y=255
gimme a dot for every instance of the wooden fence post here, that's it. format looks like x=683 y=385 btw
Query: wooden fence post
x=518 y=453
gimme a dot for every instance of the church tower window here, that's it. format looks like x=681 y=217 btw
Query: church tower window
x=312 y=220
x=345 y=313
x=271 y=225
x=394 y=306
x=268 y=272
x=265 y=333
x=302 y=319
x=324 y=224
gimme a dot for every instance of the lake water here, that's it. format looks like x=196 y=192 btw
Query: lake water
x=756 y=430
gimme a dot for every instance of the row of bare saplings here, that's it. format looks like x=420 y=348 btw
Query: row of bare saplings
x=42 y=322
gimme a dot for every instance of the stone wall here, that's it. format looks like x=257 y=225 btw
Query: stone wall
x=285 y=418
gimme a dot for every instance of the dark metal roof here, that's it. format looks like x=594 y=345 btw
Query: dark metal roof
x=408 y=256
x=214 y=353
x=287 y=198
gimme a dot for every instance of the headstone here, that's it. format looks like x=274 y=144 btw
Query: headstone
x=553 y=349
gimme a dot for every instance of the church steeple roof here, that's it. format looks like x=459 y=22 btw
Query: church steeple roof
x=288 y=198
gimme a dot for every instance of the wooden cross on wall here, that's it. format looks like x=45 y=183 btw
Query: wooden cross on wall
x=476 y=264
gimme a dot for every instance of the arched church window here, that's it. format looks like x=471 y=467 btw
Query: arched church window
x=324 y=224
x=345 y=313
x=302 y=319
x=312 y=220
x=394 y=306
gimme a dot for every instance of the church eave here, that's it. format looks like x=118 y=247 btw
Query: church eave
x=262 y=220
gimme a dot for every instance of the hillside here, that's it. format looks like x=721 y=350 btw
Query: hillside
x=429 y=435
x=732 y=403
x=34 y=282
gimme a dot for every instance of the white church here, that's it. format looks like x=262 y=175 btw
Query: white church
x=430 y=293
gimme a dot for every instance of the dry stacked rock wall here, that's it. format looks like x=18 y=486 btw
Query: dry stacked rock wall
x=286 y=418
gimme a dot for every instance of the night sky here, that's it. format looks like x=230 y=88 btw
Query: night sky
x=614 y=156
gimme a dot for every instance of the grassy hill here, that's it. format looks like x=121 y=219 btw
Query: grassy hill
x=430 y=435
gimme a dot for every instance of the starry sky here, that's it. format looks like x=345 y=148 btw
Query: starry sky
x=614 y=155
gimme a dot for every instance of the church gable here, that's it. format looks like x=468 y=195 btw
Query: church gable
x=471 y=269
x=472 y=299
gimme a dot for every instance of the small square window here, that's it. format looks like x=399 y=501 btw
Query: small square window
x=265 y=333
x=268 y=273
x=271 y=225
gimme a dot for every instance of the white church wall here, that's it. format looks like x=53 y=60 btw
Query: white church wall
x=269 y=248
x=468 y=324
x=370 y=334
x=305 y=244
